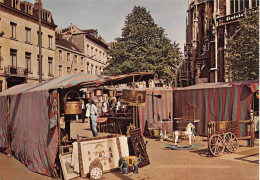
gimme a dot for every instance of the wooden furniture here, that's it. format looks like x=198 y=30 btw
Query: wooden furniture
x=116 y=125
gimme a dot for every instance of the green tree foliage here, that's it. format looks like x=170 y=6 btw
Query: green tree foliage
x=243 y=49
x=144 y=47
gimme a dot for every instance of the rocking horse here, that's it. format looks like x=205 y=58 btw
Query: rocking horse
x=190 y=129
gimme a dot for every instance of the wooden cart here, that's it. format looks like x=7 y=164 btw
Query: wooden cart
x=221 y=136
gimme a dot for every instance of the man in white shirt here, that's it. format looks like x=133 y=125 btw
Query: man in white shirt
x=93 y=118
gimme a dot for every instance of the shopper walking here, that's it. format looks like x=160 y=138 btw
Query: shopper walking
x=93 y=118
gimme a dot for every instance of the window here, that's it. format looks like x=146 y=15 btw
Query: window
x=68 y=57
x=68 y=70
x=28 y=9
x=1 y=84
x=82 y=70
x=246 y=4
x=15 y=4
x=75 y=59
x=96 y=72
x=87 y=49
x=96 y=54
x=99 y=57
x=13 y=30
x=27 y=35
x=91 y=53
x=255 y=3
x=38 y=37
x=236 y=5
x=50 y=42
x=91 y=70
x=75 y=70
x=50 y=71
x=38 y=60
x=60 y=70
x=60 y=54
x=13 y=55
x=87 y=67
x=28 y=61
x=241 y=5
x=81 y=61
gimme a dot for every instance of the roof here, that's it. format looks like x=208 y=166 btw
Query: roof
x=67 y=44
x=79 y=80
x=252 y=84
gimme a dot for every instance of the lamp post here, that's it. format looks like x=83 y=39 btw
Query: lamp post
x=40 y=43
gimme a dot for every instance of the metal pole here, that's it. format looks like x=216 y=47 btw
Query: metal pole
x=58 y=100
x=133 y=106
x=216 y=44
x=40 y=43
x=8 y=127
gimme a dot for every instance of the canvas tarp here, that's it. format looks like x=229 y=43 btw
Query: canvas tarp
x=218 y=102
x=159 y=103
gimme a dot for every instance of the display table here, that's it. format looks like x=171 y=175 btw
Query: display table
x=116 y=125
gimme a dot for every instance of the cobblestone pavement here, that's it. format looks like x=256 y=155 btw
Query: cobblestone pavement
x=165 y=163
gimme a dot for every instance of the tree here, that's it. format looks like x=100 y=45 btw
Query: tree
x=243 y=49
x=143 y=47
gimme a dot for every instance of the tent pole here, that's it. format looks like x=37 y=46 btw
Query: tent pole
x=58 y=99
x=8 y=126
x=134 y=106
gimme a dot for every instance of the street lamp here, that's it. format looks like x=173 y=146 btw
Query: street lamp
x=40 y=43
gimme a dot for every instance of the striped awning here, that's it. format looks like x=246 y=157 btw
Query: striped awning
x=79 y=80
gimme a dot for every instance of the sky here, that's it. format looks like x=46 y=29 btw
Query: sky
x=108 y=16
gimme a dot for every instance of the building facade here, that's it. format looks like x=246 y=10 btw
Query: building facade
x=19 y=47
x=69 y=59
x=209 y=25
x=90 y=44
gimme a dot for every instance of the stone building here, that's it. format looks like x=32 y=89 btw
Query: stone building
x=90 y=44
x=69 y=59
x=19 y=49
x=210 y=23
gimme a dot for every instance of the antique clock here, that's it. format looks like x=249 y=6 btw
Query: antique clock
x=95 y=170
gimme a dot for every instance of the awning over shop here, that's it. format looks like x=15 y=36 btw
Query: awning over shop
x=79 y=80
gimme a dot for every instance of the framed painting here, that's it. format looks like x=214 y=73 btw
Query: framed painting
x=67 y=169
x=105 y=149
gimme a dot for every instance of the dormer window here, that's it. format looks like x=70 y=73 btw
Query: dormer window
x=28 y=9
x=16 y=4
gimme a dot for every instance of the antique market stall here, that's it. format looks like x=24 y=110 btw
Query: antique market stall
x=223 y=101
x=158 y=110
x=30 y=116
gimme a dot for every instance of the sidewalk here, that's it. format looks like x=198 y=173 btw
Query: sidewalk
x=166 y=164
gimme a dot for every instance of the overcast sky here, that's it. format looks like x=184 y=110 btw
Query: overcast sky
x=107 y=16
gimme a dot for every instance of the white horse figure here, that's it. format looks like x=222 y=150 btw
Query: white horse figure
x=189 y=131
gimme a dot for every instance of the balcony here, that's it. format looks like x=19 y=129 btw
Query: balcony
x=16 y=71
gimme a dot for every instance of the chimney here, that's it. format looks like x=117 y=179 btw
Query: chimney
x=36 y=4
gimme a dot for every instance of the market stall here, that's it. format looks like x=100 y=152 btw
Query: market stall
x=158 y=110
x=30 y=117
x=223 y=101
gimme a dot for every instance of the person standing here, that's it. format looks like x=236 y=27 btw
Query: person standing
x=87 y=109
x=93 y=118
x=83 y=114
